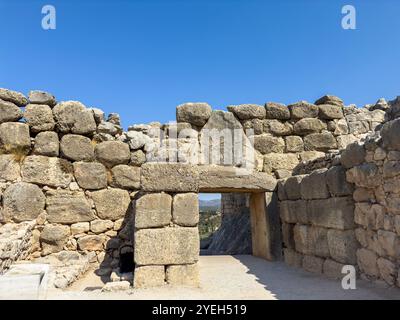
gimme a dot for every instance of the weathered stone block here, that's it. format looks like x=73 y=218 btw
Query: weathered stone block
x=13 y=96
x=248 y=111
x=308 y=125
x=112 y=153
x=80 y=227
x=353 y=155
x=39 y=117
x=329 y=111
x=138 y=157
x=337 y=213
x=265 y=143
x=320 y=141
x=72 y=116
x=9 y=112
x=329 y=99
x=302 y=110
x=313 y=264
x=9 y=168
x=293 y=211
x=165 y=246
x=367 y=261
x=153 y=210
x=48 y=171
x=387 y=270
x=68 y=207
x=313 y=186
x=277 y=111
x=46 y=144
x=333 y=269
x=23 y=201
x=293 y=258
x=220 y=179
x=90 y=175
x=193 y=113
x=294 y=144
x=288 y=235
x=277 y=161
x=183 y=275
x=366 y=175
x=343 y=246
x=169 y=177
x=41 y=97
x=390 y=134
x=111 y=204
x=149 y=276
x=14 y=137
x=391 y=169
x=185 y=209
x=337 y=183
x=389 y=242
x=278 y=128
x=311 y=240
x=100 y=226
x=53 y=238
x=292 y=187
x=76 y=148
x=125 y=177
x=91 y=243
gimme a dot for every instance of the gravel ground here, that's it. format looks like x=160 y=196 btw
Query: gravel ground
x=237 y=277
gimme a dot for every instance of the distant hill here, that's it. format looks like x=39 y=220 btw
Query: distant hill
x=213 y=204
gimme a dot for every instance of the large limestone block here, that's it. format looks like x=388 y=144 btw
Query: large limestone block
x=194 y=113
x=100 y=226
x=265 y=143
x=333 y=269
x=183 y=275
x=343 y=246
x=367 y=261
x=48 y=171
x=76 y=148
x=290 y=210
x=277 y=111
x=111 y=204
x=320 y=141
x=337 y=213
x=166 y=246
x=248 y=111
x=292 y=258
x=337 y=184
x=72 y=116
x=9 y=112
x=294 y=144
x=125 y=177
x=9 y=168
x=148 y=276
x=41 y=97
x=389 y=242
x=39 y=117
x=313 y=264
x=90 y=175
x=169 y=177
x=230 y=179
x=153 y=210
x=308 y=125
x=13 y=96
x=14 y=137
x=313 y=186
x=366 y=175
x=391 y=169
x=329 y=111
x=293 y=187
x=302 y=110
x=23 y=201
x=288 y=235
x=390 y=134
x=53 y=238
x=68 y=207
x=92 y=243
x=112 y=153
x=387 y=270
x=330 y=100
x=311 y=240
x=353 y=155
x=279 y=161
x=278 y=128
x=185 y=209
x=47 y=144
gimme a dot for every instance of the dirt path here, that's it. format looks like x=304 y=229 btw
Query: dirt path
x=237 y=277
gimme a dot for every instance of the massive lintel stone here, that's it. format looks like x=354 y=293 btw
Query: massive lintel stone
x=153 y=210
x=248 y=111
x=23 y=201
x=39 y=117
x=9 y=112
x=194 y=113
x=166 y=246
x=68 y=207
x=48 y=171
x=41 y=97
x=90 y=175
x=13 y=96
x=14 y=137
x=185 y=209
x=9 y=168
x=111 y=204
x=169 y=177
x=72 y=116
x=337 y=213
x=112 y=153
x=231 y=179
x=76 y=147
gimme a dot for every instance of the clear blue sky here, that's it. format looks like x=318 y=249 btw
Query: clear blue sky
x=142 y=58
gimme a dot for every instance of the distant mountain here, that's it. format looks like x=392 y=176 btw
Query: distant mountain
x=213 y=204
